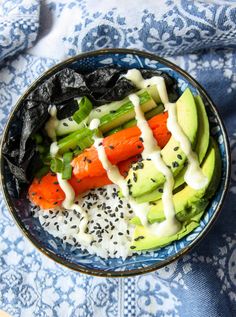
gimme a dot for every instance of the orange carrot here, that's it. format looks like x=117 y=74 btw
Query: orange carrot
x=47 y=193
x=119 y=147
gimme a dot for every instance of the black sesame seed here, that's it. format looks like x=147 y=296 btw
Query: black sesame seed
x=115 y=242
x=55 y=183
x=176 y=148
x=111 y=147
x=33 y=193
x=64 y=238
x=135 y=178
x=153 y=180
x=65 y=222
x=112 y=111
x=99 y=215
x=57 y=227
x=175 y=164
x=55 y=203
x=46 y=217
x=127 y=231
x=139 y=238
x=133 y=247
x=141 y=139
x=179 y=156
x=73 y=239
x=70 y=119
x=160 y=190
x=139 y=146
x=89 y=161
x=85 y=158
x=65 y=124
x=120 y=233
x=47 y=224
x=100 y=240
x=73 y=227
x=115 y=252
x=100 y=144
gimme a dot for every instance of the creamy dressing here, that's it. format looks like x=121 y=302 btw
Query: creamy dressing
x=52 y=123
x=54 y=149
x=68 y=203
x=151 y=150
x=136 y=77
x=114 y=175
x=113 y=172
x=194 y=176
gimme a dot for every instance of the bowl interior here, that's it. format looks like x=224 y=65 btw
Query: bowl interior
x=140 y=263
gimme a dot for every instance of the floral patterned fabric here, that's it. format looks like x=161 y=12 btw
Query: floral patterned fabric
x=202 y=283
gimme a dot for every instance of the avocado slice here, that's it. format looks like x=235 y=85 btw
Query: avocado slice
x=189 y=205
x=147 y=177
x=200 y=149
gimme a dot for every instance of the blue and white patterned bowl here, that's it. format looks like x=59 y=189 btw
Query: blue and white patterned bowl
x=137 y=264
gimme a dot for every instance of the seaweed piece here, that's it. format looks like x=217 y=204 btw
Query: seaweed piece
x=101 y=86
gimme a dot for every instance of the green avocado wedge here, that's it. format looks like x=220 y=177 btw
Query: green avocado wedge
x=147 y=177
x=189 y=205
x=200 y=149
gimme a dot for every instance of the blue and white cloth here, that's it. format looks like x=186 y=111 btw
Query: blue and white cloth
x=200 y=36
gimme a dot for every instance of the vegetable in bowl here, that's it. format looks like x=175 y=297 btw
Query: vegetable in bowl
x=120 y=162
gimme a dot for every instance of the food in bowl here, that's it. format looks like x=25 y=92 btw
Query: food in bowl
x=121 y=163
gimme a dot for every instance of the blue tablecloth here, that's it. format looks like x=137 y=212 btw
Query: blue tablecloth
x=34 y=36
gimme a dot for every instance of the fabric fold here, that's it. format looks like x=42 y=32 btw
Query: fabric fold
x=19 y=24
x=163 y=27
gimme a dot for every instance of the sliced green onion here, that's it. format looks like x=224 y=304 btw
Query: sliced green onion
x=85 y=107
x=43 y=171
x=56 y=165
x=67 y=169
x=38 y=138
x=41 y=149
x=82 y=138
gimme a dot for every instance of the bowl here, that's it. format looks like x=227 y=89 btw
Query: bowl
x=140 y=263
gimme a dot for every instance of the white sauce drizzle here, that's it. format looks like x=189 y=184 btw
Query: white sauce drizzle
x=68 y=203
x=193 y=176
x=54 y=149
x=52 y=123
x=114 y=175
x=151 y=150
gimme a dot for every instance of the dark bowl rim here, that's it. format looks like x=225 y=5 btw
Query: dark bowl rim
x=143 y=270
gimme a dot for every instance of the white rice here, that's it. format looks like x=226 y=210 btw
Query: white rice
x=108 y=223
